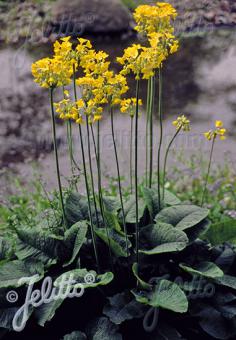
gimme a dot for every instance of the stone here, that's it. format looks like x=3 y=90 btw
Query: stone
x=77 y=17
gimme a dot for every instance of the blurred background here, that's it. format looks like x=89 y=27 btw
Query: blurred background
x=199 y=81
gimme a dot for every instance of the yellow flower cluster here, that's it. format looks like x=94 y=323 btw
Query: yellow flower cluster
x=128 y=105
x=51 y=72
x=182 y=123
x=157 y=18
x=155 y=22
x=67 y=109
x=219 y=131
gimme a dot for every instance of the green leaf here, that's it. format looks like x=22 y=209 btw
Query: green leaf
x=40 y=245
x=171 y=199
x=112 y=221
x=227 y=280
x=75 y=336
x=14 y=273
x=74 y=239
x=46 y=311
x=214 y=324
x=76 y=208
x=162 y=238
x=122 y=308
x=142 y=283
x=166 y=295
x=102 y=329
x=151 y=199
x=89 y=279
x=205 y=269
x=130 y=210
x=182 y=216
x=111 y=204
x=219 y=233
x=117 y=241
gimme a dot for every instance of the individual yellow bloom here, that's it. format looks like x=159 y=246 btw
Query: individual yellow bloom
x=97 y=117
x=182 y=123
x=218 y=124
x=66 y=93
x=209 y=134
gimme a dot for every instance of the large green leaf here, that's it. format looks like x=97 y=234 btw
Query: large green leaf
x=117 y=242
x=89 y=279
x=103 y=329
x=74 y=239
x=182 y=216
x=142 y=284
x=151 y=199
x=16 y=273
x=162 y=238
x=75 y=336
x=205 y=269
x=227 y=280
x=6 y=250
x=166 y=295
x=130 y=210
x=76 y=208
x=111 y=204
x=122 y=308
x=40 y=245
x=219 y=233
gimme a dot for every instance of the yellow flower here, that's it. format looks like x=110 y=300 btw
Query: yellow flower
x=157 y=18
x=182 y=123
x=51 y=72
x=128 y=105
x=219 y=131
x=218 y=124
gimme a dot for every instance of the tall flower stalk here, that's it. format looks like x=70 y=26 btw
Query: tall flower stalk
x=131 y=153
x=91 y=170
x=56 y=155
x=152 y=81
x=101 y=203
x=87 y=184
x=118 y=178
x=211 y=135
x=136 y=174
x=147 y=128
x=181 y=123
x=160 y=138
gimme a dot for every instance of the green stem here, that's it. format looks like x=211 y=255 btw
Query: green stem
x=91 y=171
x=147 y=124
x=208 y=171
x=96 y=150
x=136 y=174
x=151 y=131
x=119 y=182
x=88 y=197
x=165 y=160
x=56 y=156
x=86 y=182
x=160 y=140
x=131 y=154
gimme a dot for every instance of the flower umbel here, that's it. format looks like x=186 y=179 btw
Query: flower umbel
x=218 y=132
x=182 y=123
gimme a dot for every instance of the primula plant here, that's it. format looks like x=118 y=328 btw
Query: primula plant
x=160 y=268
